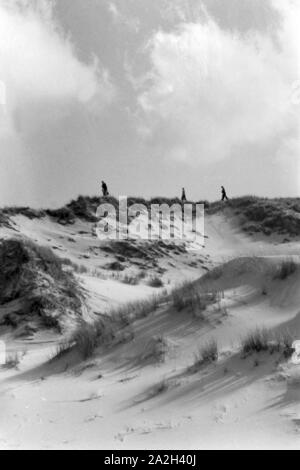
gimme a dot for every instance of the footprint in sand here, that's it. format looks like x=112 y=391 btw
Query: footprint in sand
x=220 y=412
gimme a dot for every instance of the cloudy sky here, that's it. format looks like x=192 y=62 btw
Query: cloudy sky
x=150 y=96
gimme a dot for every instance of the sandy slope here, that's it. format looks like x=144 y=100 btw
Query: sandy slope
x=124 y=397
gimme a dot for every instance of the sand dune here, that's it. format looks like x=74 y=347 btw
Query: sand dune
x=150 y=384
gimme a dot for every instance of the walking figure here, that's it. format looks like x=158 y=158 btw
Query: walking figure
x=183 y=197
x=224 y=195
x=104 y=189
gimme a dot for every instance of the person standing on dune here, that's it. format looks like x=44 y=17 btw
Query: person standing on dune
x=104 y=189
x=183 y=197
x=224 y=194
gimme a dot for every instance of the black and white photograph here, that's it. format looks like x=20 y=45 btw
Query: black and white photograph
x=149 y=227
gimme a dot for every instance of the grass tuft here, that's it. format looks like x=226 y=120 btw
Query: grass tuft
x=155 y=282
x=189 y=296
x=13 y=360
x=287 y=269
x=207 y=353
x=115 y=325
x=264 y=340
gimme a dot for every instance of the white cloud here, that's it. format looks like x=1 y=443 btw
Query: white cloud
x=290 y=32
x=213 y=92
x=38 y=63
x=128 y=21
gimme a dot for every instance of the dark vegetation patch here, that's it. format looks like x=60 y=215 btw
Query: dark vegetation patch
x=34 y=286
x=155 y=282
x=287 y=269
x=115 y=266
x=208 y=352
x=130 y=249
x=4 y=220
x=189 y=296
x=25 y=211
x=261 y=215
x=263 y=340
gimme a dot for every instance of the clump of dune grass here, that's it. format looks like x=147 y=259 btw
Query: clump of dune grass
x=156 y=349
x=78 y=268
x=13 y=360
x=161 y=387
x=285 y=341
x=256 y=341
x=48 y=260
x=63 y=216
x=264 y=340
x=113 y=326
x=62 y=348
x=262 y=215
x=189 y=296
x=215 y=274
x=25 y=211
x=139 y=309
x=207 y=353
x=287 y=268
x=165 y=385
x=155 y=282
x=130 y=280
x=88 y=337
x=35 y=274
x=115 y=266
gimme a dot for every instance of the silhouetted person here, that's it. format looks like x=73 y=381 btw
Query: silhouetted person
x=183 y=197
x=104 y=189
x=224 y=195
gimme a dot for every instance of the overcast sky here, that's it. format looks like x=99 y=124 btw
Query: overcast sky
x=149 y=95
